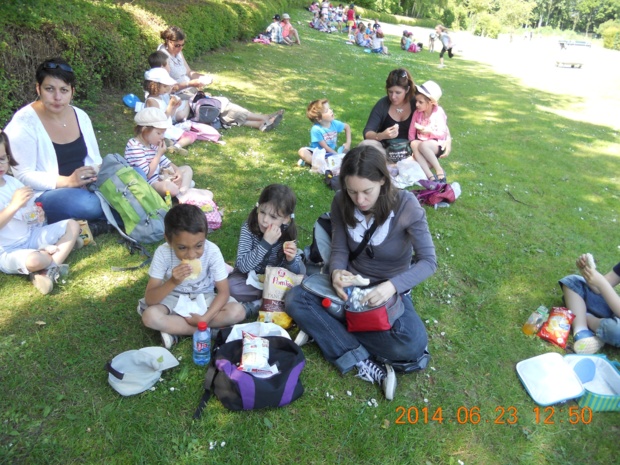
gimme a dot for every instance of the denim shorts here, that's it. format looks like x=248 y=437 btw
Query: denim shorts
x=609 y=329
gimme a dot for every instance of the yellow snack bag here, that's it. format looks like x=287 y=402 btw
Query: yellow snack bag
x=277 y=282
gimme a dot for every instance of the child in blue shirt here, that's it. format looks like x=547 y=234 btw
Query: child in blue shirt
x=324 y=132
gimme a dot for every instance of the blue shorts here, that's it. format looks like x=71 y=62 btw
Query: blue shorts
x=609 y=329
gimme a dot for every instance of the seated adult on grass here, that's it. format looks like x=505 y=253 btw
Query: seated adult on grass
x=55 y=147
x=390 y=118
x=187 y=280
x=392 y=224
x=188 y=81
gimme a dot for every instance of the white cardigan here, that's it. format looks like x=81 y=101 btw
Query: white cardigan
x=34 y=152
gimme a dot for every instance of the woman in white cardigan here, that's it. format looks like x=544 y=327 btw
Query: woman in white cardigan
x=55 y=147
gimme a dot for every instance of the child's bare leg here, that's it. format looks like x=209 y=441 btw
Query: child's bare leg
x=294 y=32
x=186 y=179
x=231 y=313
x=577 y=305
x=417 y=156
x=42 y=259
x=429 y=149
x=184 y=141
x=305 y=155
x=158 y=317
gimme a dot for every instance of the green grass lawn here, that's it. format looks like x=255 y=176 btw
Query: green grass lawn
x=538 y=190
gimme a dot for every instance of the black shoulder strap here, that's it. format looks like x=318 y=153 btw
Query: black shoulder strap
x=208 y=390
x=367 y=235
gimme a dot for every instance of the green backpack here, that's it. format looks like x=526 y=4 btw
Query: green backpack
x=141 y=208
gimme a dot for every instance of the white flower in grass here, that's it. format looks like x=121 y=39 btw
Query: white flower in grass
x=171 y=389
x=223 y=443
x=443 y=333
x=425 y=400
x=349 y=393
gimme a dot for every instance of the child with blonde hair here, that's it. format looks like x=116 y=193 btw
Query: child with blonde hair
x=146 y=151
x=26 y=246
x=158 y=85
x=324 y=132
x=429 y=132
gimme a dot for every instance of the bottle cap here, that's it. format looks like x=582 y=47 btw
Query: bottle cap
x=202 y=325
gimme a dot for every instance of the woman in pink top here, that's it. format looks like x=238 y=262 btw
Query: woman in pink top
x=429 y=132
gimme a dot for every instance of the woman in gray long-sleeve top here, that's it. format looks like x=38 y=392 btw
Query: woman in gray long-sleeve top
x=399 y=255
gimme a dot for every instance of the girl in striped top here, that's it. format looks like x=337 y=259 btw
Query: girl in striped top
x=268 y=238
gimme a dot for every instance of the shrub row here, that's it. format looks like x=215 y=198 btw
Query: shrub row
x=107 y=42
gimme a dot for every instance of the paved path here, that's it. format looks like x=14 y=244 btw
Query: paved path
x=596 y=85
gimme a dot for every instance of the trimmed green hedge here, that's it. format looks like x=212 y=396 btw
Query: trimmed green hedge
x=108 y=42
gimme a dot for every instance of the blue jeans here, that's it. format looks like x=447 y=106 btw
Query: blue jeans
x=609 y=328
x=71 y=203
x=406 y=340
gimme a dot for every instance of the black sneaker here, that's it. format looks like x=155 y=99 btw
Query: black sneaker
x=100 y=227
x=384 y=375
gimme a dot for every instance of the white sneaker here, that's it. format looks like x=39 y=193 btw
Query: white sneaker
x=588 y=345
x=302 y=338
x=168 y=340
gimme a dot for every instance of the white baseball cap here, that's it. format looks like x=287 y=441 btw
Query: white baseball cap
x=135 y=371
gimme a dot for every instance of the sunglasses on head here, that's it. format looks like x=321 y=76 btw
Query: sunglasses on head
x=50 y=65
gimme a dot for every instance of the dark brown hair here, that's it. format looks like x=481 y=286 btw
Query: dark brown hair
x=284 y=201
x=4 y=140
x=369 y=163
x=57 y=68
x=158 y=59
x=402 y=78
x=173 y=33
x=184 y=218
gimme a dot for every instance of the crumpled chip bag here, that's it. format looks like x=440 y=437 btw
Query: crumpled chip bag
x=277 y=283
x=557 y=328
x=255 y=356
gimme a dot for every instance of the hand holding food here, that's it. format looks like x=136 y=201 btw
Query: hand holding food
x=290 y=250
x=196 y=268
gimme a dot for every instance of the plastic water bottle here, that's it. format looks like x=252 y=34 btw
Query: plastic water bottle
x=34 y=216
x=202 y=344
x=43 y=221
x=536 y=320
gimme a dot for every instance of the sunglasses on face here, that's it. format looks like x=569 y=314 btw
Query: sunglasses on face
x=179 y=45
x=50 y=65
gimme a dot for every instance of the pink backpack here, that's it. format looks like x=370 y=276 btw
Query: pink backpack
x=434 y=192
x=209 y=207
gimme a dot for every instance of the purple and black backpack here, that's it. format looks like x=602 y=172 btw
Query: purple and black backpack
x=239 y=390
